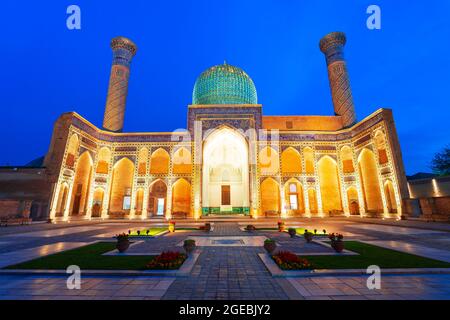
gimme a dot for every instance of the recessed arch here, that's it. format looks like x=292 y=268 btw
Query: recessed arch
x=181 y=197
x=390 y=196
x=293 y=193
x=353 y=200
x=142 y=161
x=380 y=143
x=329 y=185
x=157 y=198
x=291 y=161
x=347 y=160
x=182 y=162
x=81 y=184
x=270 y=196
x=308 y=154
x=104 y=158
x=369 y=181
x=159 y=163
x=62 y=199
x=97 y=205
x=121 y=186
x=312 y=199
x=268 y=161
x=139 y=200
x=72 y=150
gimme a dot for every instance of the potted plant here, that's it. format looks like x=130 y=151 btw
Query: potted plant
x=250 y=228
x=189 y=246
x=281 y=226
x=337 y=242
x=308 y=236
x=207 y=227
x=171 y=226
x=122 y=242
x=270 y=245
x=292 y=232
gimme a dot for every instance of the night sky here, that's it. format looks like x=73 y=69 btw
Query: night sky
x=48 y=69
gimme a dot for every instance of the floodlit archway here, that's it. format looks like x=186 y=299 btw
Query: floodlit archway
x=347 y=160
x=390 y=197
x=72 y=150
x=181 y=197
x=97 y=204
x=293 y=195
x=142 y=161
x=62 y=200
x=225 y=183
x=122 y=184
x=380 y=142
x=312 y=199
x=159 y=162
x=369 y=181
x=270 y=196
x=308 y=154
x=353 y=202
x=157 y=198
x=291 y=162
x=182 y=161
x=104 y=157
x=81 y=184
x=268 y=161
x=329 y=185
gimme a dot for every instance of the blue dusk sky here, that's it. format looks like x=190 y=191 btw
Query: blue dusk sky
x=48 y=69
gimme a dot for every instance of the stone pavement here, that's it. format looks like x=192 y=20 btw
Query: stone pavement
x=225 y=272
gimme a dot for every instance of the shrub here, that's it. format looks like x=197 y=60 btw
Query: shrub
x=290 y=261
x=250 y=227
x=335 y=236
x=167 y=260
x=122 y=237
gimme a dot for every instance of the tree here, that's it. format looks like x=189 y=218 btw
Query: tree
x=441 y=162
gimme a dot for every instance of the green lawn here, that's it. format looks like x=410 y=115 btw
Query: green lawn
x=373 y=255
x=88 y=258
x=153 y=232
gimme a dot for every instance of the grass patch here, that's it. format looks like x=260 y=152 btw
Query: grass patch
x=151 y=232
x=373 y=255
x=88 y=258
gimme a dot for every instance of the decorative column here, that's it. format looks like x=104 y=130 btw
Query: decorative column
x=332 y=45
x=123 y=51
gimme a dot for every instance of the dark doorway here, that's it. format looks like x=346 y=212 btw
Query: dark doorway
x=226 y=196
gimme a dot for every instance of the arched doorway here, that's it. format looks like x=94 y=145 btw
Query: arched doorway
x=293 y=196
x=139 y=201
x=97 y=202
x=62 y=200
x=329 y=185
x=225 y=172
x=352 y=199
x=122 y=183
x=181 y=197
x=81 y=184
x=369 y=181
x=157 y=198
x=390 y=197
x=312 y=199
x=270 y=196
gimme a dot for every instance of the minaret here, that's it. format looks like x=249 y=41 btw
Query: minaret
x=332 y=45
x=123 y=51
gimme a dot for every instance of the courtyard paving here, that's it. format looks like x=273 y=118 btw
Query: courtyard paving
x=224 y=272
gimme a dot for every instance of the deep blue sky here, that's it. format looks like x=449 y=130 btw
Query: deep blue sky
x=48 y=69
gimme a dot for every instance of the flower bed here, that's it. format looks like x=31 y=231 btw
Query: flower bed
x=287 y=260
x=168 y=260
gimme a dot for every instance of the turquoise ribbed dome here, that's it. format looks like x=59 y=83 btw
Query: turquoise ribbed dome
x=224 y=84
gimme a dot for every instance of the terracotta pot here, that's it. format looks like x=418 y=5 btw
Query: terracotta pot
x=308 y=237
x=189 y=248
x=270 y=247
x=281 y=227
x=338 y=246
x=122 y=245
x=207 y=227
x=171 y=228
x=292 y=232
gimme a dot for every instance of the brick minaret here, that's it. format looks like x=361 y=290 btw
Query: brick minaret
x=123 y=51
x=332 y=45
